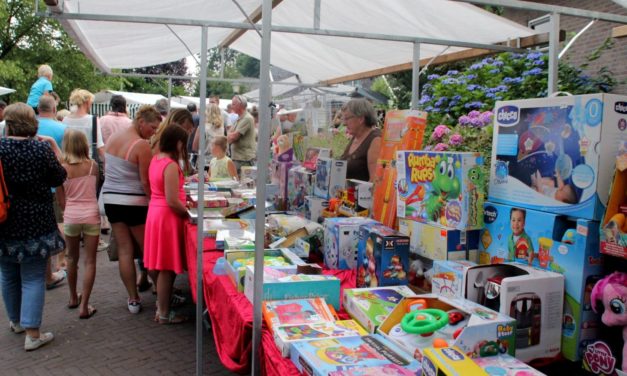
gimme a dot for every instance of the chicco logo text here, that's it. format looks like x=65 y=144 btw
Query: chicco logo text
x=507 y=115
x=621 y=107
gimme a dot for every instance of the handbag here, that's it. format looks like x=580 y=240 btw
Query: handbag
x=96 y=156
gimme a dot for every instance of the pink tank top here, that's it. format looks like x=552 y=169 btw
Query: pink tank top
x=81 y=204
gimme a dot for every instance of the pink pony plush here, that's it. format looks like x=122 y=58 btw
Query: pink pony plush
x=612 y=292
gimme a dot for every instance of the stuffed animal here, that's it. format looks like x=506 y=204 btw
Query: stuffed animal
x=611 y=291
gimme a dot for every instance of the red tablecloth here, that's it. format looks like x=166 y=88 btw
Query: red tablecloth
x=232 y=314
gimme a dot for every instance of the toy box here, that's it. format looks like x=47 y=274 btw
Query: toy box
x=505 y=365
x=341 y=237
x=557 y=154
x=474 y=329
x=312 y=155
x=532 y=296
x=314 y=207
x=384 y=207
x=286 y=335
x=402 y=130
x=614 y=228
x=556 y=243
x=296 y=312
x=236 y=261
x=449 y=361
x=420 y=273
x=279 y=176
x=330 y=177
x=382 y=256
x=273 y=196
x=448 y=277
x=280 y=285
x=370 y=306
x=438 y=243
x=248 y=173
x=358 y=199
x=300 y=182
x=443 y=188
x=388 y=369
x=321 y=357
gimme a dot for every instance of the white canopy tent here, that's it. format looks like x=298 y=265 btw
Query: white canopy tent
x=184 y=100
x=314 y=58
x=6 y=90
x=133 y=98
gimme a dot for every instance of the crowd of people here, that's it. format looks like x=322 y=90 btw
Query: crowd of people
x=72 y=176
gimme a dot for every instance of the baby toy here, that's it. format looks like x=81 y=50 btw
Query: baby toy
x=611 y=291
x=443 y=187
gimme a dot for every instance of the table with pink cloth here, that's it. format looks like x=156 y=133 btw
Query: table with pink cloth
x=232 y=314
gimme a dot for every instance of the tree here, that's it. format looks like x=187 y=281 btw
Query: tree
x=27 y=41
x=236 y=65
x=158 y=85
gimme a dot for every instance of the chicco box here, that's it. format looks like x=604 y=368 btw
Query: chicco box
x=341 y=238
x=557 y=154
x=437 y=242
x=556 y=243
x=427 y=321
x=533 y=297
x=382 y=256
x=442 y=188
x=321 y=357
x=330 y=177
x=449 y=361
x=370 y=306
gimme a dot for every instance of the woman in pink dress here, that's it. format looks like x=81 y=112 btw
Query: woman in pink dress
x=163 y=243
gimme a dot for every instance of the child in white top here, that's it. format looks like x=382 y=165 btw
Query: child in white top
x=221 y=166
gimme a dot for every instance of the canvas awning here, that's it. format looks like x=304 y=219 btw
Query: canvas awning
x=133 y=98
x=314 y=58
x=6 y=90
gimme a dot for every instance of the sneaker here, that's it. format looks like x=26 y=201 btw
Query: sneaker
x=31 y=343
x=102 y=245
x=134 y=306
x=16 y=327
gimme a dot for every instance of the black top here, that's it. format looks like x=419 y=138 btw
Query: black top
x=31 y=169
x=357 y=165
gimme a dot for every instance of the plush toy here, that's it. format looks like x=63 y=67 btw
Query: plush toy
x=611 y=291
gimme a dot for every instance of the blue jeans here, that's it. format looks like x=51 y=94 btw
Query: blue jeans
x=23 y=291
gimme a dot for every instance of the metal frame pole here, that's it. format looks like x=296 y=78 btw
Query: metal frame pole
x=263 y=156
x=201 y=204
x=553 y=53
x=415 y=77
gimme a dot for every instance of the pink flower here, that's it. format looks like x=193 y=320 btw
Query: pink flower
x=440 y=147
x=439 y=132
x=455 y=139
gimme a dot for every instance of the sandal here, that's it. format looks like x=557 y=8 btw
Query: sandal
x=90 y=312
x=177 y=300
x=78 y=302
x=144 y=286
x=172 y=318
x=60 y=277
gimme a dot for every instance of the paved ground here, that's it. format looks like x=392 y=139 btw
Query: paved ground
x=113 y=342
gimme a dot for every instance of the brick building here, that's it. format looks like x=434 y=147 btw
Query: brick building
x=614 y=59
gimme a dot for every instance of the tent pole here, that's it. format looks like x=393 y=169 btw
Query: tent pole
x=263 y=156
x=169 y=91
x=415 y=77
x=201 y=203
x=553 y=53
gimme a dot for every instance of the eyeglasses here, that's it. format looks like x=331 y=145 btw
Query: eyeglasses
x=347 y=118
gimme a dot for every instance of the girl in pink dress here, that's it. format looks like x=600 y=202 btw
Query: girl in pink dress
x=77 y=197
x=163 y=242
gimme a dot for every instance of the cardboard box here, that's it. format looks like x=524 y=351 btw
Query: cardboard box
x=438 y=243
x=382 y=256
x=296 y=312
x=449 y=361
x=341 y=239
x=286 y=335
x=300 y=183
x=388 y=369
x=420 y=273
x=384 y=207
x=237 y=272
x=402 y=130
x=448 y=277
x=248 y=172
x=312 y=155
x=442 y=188
x=279 y=285
x=557 y=154
x=506 y=365
x=555 y=243
x=279 y=176
x=321 y=357
x=370 y=306
x=358 y=199
x=330 y=177
x=534 y=297
x=476 y=330
x=614 y=228
x=314 y=206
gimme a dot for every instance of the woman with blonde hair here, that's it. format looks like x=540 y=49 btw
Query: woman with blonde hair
x=126 y=192
x=180 y=116
x=80 y=119
x=213 y=128
x=77 y=197
x=29 y=236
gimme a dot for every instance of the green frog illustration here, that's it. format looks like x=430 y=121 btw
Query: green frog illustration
x=443 y=187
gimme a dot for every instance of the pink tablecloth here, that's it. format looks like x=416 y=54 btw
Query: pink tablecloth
x=232 y=314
